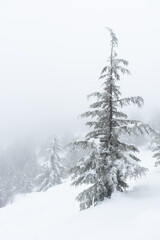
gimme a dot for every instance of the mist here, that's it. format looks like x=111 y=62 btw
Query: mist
x=51 y=56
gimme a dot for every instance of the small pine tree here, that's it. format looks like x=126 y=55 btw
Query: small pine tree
x=157 y=148
x=7 y=184
x=52 y=167
x=112 y=160
x=18 y=168
x=6 y=192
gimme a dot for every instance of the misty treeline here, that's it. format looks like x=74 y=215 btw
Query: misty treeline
x=28 y=167
x=103 y=160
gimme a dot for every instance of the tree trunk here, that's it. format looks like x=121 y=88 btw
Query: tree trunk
x=111 y=100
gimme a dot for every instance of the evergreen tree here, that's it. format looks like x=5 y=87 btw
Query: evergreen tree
x=157 y=148
x=18 y=169
x=112 y=160
x=7 y=186
x=23 y=166
x=52 y=167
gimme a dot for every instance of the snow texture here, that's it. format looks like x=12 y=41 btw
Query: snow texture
x=54 y=215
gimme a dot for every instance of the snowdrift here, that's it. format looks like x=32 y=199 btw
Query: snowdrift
x=55 y=215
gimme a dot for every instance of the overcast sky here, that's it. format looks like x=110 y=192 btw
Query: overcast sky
x=52 y=52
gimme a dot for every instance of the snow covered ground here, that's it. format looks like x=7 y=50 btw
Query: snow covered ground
x=54 y=215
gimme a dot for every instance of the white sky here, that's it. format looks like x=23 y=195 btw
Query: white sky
x=51 y=54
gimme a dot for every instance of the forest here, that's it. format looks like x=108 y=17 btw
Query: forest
x=79 y=120
x=105 y=158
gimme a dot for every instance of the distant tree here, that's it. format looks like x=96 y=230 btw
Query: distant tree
x=6 y=192
x=18 y=169
x=157 y=148
x=7 y=186
x=112 y=160
x=52 y=167
x=24 y=166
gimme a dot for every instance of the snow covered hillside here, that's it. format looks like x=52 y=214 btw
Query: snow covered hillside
x=54 y=215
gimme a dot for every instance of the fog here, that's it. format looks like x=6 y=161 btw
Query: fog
x=51 y=55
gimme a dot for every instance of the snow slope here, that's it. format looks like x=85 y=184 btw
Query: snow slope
x=54 y=215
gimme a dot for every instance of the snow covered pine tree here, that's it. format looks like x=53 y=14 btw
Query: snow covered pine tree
x=112 y=161
x=157 y=148
x=52 y=167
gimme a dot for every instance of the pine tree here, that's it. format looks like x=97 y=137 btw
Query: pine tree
x=18 y=169
x=157 y=148
x=52 y=167
x=112 y=160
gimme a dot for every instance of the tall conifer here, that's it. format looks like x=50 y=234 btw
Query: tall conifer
x=112 y=160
